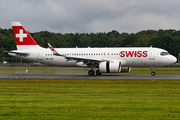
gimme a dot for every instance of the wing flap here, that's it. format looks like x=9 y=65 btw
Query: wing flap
x=83 y=58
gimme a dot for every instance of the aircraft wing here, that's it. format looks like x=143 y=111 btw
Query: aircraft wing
x=83 y=59
x=78 y=58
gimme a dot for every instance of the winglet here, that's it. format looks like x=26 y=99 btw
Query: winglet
x=53 y=50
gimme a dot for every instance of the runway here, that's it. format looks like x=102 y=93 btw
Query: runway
x=87 y=77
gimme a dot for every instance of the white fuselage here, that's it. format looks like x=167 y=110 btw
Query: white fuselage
x=140 y=56
x=107 y=60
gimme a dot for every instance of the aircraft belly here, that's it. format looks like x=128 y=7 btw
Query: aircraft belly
x=67 y=63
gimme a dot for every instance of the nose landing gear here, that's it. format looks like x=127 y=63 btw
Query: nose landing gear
x=152 y=69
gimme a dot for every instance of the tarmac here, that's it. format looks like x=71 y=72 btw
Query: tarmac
x=87 y=77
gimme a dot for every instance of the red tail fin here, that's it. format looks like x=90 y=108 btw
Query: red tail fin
x=22 y=37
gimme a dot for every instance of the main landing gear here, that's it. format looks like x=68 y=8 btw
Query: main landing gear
x=152 y=69
x=91 y=72
x=98 y=72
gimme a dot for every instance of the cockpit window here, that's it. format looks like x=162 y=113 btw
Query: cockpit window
x=164 y=53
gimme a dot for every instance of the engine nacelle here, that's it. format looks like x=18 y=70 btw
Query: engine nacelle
x=110 y=67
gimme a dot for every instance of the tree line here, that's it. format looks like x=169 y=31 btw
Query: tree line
x=165 y=39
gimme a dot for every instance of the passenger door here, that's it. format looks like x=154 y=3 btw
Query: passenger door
x=151 y=54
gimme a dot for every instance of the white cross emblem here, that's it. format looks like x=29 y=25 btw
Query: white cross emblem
x=21 y=35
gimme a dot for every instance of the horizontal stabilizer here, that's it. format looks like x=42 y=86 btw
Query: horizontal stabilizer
x=18 y=52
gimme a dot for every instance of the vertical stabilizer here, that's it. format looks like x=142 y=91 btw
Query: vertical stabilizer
x=22 y=37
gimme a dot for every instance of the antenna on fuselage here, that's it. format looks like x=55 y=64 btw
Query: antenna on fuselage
x=150 y=46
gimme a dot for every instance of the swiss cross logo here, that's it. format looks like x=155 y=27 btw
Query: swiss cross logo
x=21 y=35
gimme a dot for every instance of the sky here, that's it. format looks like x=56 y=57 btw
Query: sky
x=91 y=16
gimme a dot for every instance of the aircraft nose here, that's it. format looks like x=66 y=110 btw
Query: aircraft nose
x=174 y=59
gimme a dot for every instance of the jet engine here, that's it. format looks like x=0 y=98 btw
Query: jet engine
x=125 y=69
x=112 y=67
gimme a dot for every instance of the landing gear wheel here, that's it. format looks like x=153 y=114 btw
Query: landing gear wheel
x=98 y=73
x=90 y=72
x=153 y=73
x=152 y=69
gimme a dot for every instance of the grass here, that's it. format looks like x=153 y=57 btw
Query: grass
x=76 y=70
x=90 y=99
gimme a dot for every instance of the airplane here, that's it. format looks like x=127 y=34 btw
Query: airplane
x=107 y=60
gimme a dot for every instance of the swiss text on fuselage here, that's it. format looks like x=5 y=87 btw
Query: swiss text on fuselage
x=133 y=54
